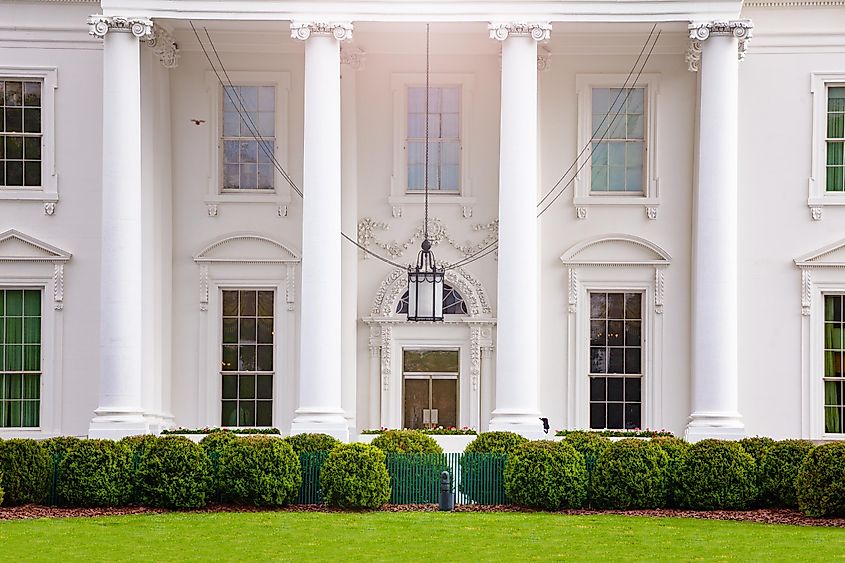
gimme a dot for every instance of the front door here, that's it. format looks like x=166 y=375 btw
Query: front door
x=430 y=387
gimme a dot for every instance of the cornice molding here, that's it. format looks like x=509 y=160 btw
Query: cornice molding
x=803 y=4
x=342 y=31
x=539 y=31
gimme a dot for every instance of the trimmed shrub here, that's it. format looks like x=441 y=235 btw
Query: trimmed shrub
x=96 y=473
x=718 y=475
x=676 y=451
x=58 y=446
x=406 y=442
x=545 y=475
x=756 y=447
x=259 y=470
x=174 y=473
x=779 y=470
x=821 y=481
x=139 y=445
x=589 y=444
x=631 y=473
x=25 y=467
x=495 y=443
x=302 y=443
x=216 y=442
x=355 y=476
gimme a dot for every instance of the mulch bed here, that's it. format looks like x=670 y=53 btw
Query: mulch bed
x=766 y=516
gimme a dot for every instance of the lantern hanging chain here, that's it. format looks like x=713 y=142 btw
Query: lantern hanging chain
x=427 y=96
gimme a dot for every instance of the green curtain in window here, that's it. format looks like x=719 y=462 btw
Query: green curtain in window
x=832 y=418
x=832 y=367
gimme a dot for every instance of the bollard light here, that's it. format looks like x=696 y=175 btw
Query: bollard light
x=447 y=497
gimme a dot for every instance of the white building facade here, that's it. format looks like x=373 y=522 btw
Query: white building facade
x=639 y=206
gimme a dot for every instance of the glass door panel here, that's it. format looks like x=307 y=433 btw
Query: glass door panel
x=444 y=402
x=416 y=402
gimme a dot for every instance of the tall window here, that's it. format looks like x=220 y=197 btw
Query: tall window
x=835 y=139
x=618 y=148
x=20 y=133
x=834 y=363
x=249 y=137
x=615 y=360
x=20 y=358
x=247 y=358
x=444 y=133
x=431 y=388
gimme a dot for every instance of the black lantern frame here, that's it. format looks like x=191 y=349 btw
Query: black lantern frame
x=425 y=287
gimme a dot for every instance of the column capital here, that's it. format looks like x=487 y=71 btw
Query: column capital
x=539 y=31
x=164 y=46
x=303 y=30
x=699 y=32
x=353 y=57
x=99 y=26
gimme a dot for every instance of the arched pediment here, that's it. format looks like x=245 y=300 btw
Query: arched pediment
x=396 y=283
x=247 y=248
x=19 y=247
x=615 y=250
x=832 y=255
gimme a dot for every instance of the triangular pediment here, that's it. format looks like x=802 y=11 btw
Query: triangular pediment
x=247 y=248
x=17 y=246
x=615 y=250
x=830 y=255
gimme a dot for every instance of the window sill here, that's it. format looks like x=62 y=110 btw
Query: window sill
x=465 y=202
x=281 y=200
x=28 y=195
x=816 y=203
x=582 y=203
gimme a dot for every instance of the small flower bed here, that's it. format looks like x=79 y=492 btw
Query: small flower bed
x=208 y=430
x=636 y=433
x=439 y=431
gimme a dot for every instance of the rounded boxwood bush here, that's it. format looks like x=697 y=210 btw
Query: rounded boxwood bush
x=495 y=443
x=589 y=444
x=306 y=443
x=676 y=451
x=139 y=445
x=718 y=475
x=174 y=473
x=631 y=473
x=821 y=481
x=57 y=446
x=259 y=470
x=756 y=447
x=779 y=470
x=214 y=444
x=26 y=468
x=355 y=476
x=96 y=473
x=406 y=442
x=545 y=475
x=483 y=465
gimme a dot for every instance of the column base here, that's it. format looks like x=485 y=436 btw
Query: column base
x=320 y=421
x=114 y=425
x=524 y=423
x=718 y=425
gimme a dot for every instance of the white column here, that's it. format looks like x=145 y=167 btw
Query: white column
x=119 y=411
x=518 y=272
x=716 y=49
x=320 y=378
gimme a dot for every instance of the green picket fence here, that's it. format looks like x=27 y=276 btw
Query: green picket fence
x=309 y=491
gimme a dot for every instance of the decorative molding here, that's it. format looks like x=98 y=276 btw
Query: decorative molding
x=816 y=213
x=99 y=26
x=537 y=31
x=654 y=255
x=353 y=57
x=437 y=233
x=203 y=287
x=394 y=285
x=341 y=31
x=290 y=287
x=24 y=248
x=164 y=46
x=282 y=210
x=573 y=289
x=475 y=356
x=659 y=290
x=580 y=212
x=466 y=211
x=284 y=255
x=49 y=208
x=796 y=4
x=651 y=212
x=386 y=356
x=58 y=286
x=699 y=32
x=806 y=291
x=396 y=211
x=544 y=59
x=212 y=209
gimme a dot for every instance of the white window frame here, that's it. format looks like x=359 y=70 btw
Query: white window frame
x=614 y=274
x=822 y=272
x=399 y=195
x=428 y=376
x=819 y=197
x=48 y=191
x=281 y=193
x=649 y=198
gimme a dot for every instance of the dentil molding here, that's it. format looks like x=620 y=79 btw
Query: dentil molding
x=341 y=31
x=539 y=31
x=700 y=32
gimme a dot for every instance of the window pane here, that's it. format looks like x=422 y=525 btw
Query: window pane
x=230 y=331
x=264 y=387
x=247 y=331
x=598 y=389
x=267 y=98
x=615 y=333
x=14 y=173
x=230 y=358
x=632 y=361
x=246 y=386
x=230 y=414
x=265 y=331
x=32 y=94
x=615 y=309
x=232 y=124
x=598 y=334
x=599 y=154
x=265 y=303
x=598 y=360
x=836 y=125
x=231 y=176
x=265 y=358
x=14 y=386
x=246 y=413
x=423 y=361
x=230 y=386
x=615 y=415
x=248 y=303
x=32 y=174
x=14 y=330
x=598 y=413
x=264 y=179
x=14 y=147
x=633 y=305
x=14 y=120
x=597 y=305
x=230 y=303
x=32 y=358
x=616 y=361
x=601 y=100
x=231 y=154
x=31 y=148
x=632 y=389
x=835 y=152
x=632 y=333
x=264 y=413
x=633 y=417
x=266 y=124
x=32 y=120
x=835 y=178
x=30 y=414
x=247 y=358
x=248 y=151
x=249 y=97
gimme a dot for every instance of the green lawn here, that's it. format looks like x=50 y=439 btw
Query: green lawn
x=290 y=536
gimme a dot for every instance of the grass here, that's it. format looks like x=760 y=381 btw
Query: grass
x=382 y=536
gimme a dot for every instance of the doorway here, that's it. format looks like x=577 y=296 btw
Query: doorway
x=430 y=378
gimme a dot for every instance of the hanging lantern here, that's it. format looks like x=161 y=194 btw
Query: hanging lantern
x=425 y=287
